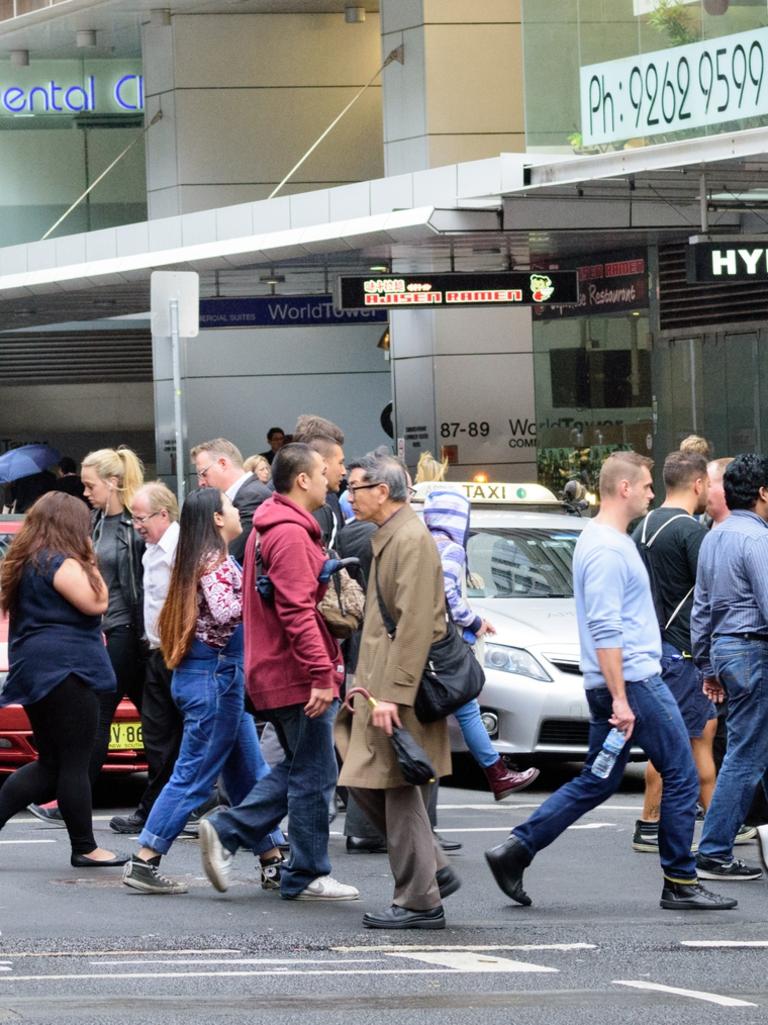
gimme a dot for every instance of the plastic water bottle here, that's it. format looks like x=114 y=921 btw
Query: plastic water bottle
x=605 y=761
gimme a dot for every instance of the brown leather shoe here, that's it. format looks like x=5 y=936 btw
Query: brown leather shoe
x=504 y=781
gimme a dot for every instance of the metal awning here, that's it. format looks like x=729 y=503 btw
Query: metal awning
x=508 y=211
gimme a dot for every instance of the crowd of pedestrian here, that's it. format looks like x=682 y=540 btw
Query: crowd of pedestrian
x=231 y=611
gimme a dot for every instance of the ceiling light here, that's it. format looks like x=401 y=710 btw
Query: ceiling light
x=272 y=279
x=379 y=268
x=85 y=38
x=20 y=58
x=354 y=15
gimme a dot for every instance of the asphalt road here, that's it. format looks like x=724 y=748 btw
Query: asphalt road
x=595 y=946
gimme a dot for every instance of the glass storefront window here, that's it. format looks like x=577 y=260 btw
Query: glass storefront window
x=702 y=90
x=593 y=393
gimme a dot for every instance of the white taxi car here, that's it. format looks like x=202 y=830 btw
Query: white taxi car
x=520 y=556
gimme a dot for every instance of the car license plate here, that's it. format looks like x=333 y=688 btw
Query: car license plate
x=125 y=736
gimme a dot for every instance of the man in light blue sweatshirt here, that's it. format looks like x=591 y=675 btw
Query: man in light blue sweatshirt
x=620 y=653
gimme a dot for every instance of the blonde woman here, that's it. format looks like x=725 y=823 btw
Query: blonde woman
x=111 y=477
x=428 y=468
x=259 y=467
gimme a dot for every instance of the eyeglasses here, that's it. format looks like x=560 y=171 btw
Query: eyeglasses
x=202 y=474
x=354 y=488
x=140 y=520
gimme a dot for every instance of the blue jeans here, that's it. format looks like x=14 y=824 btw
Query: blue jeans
x=742 y=668
x=660 y=731
x=219 y=736
x=300 y=786
x=476 y=735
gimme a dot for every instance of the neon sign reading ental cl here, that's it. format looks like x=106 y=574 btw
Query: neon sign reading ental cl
x=127 y=93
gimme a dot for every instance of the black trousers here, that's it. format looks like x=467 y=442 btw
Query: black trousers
x=127 y=655
x=161 y=725
x=64 y=725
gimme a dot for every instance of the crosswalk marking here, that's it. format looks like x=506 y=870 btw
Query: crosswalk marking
x=469 y=961
x=694 y=994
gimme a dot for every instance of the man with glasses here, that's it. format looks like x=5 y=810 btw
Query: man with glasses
x=390 y=668
x=155 y=514
x=219 y=464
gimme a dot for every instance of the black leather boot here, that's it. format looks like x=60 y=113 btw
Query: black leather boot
x=507 y=862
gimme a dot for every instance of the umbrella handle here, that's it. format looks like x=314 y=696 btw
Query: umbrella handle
x=359 y=690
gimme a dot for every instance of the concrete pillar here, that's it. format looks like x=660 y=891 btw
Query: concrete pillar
x=463 y=379
x=459 y=94
x=245 y=95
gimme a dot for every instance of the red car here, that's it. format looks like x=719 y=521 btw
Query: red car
x=126 y=751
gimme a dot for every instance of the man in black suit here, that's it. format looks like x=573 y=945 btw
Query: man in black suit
x=219 y=464
x=276 y=438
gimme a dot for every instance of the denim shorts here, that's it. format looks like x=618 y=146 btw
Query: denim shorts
x=685 y=681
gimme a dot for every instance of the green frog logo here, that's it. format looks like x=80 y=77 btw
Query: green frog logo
x=542 y=288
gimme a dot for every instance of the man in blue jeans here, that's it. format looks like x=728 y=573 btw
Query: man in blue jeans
x=620 y=658
x=729 y=632
x=293 y=672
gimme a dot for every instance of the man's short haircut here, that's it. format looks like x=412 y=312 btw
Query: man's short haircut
x=219 y=447
x=716 y=468
x=160 y=496
x=383 y=468
x=273 y=431
x=681 y=469
x=697 y=445
x=309 y=426
x=289 y=462
x=621 y=466
x=743 y=479
x=324 y=444
x=67 y=465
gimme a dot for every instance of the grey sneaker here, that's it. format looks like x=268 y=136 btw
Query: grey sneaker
x=217 y=860
x=328 y=888
x=745 y=834
x=140 y=875
x=735 y=870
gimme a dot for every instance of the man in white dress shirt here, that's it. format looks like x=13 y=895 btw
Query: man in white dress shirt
x=156 y=518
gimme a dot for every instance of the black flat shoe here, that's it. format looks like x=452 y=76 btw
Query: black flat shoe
x=364 y=845
x=83 y=861
x=447 y=882
x=403 y=918
x=449 y=846
x=507 y=862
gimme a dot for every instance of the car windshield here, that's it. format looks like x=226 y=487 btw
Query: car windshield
x=521 y=563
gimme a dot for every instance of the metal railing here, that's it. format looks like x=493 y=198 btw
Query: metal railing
x=16 y=8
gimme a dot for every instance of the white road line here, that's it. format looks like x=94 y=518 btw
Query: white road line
x=467 y=961
x=249 y=974
x=592 y=825
x=724 y=943
x=245 y=960
x=693 y=994
x=392 y=947
x=14 y=842
x=114 y=953
x=511 y=806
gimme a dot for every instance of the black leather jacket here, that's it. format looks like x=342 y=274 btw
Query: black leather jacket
x=129 y=571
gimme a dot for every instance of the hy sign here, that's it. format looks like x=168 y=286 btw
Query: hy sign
x=738 y=259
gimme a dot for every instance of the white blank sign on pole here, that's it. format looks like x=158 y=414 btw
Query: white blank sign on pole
x=184 y=287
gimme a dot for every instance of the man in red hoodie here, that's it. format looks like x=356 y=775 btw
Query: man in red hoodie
x=293 y=671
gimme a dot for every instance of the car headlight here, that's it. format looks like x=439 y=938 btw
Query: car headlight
x=514 y=660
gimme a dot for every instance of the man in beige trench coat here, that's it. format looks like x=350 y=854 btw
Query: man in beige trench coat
x=410 y=579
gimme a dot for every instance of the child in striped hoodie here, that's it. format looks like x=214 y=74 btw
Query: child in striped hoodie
x=446 y=516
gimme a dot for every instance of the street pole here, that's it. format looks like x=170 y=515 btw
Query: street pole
x=177 y=424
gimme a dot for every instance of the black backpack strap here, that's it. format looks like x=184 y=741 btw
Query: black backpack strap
x=389 y=623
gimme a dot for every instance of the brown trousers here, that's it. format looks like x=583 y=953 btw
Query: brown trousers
x=400 y=814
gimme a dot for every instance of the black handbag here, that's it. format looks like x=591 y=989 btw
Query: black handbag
x=452 y=675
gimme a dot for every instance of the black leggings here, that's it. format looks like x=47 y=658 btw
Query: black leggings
x=127 y=658
x=64 y=725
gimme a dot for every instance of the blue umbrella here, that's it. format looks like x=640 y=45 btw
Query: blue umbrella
x=24 y=461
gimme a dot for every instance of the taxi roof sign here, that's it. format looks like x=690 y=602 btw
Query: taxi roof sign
x=491 y=492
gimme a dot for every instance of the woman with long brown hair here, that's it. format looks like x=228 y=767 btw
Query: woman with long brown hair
x=111 y=477
x=54 y=595
x=201 y=637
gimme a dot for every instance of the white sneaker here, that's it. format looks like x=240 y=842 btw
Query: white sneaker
x=217 y=860
x=328 y=888
x=762 y=845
